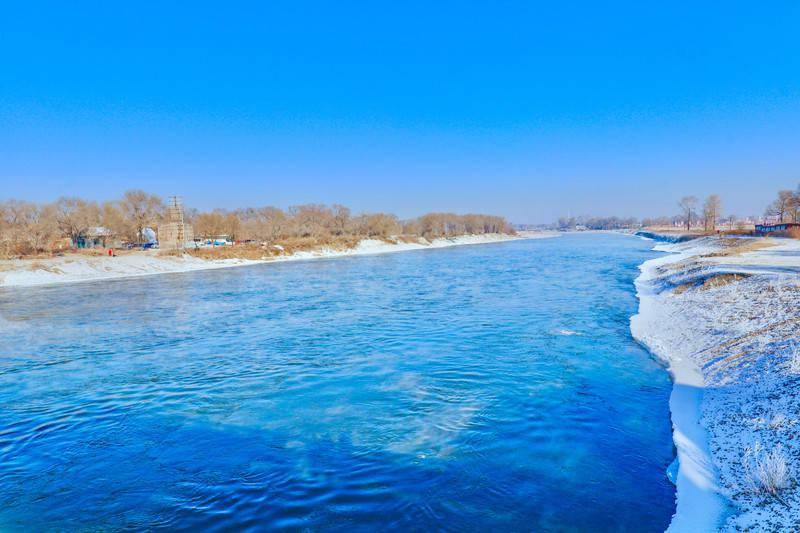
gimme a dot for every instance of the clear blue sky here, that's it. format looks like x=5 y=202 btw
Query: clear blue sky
x=530 y=110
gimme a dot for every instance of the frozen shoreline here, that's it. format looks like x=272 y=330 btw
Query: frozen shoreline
x=81 y=268
x=722 y=314
x=699 y=506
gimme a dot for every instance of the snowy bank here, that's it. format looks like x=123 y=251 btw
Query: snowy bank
x=723 y=314
x=666 y=237
x=75 y=268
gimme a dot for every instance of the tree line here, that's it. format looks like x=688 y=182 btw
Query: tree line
x=30 y=228
x=710 y=214
x=270 y=224
x=597 y=223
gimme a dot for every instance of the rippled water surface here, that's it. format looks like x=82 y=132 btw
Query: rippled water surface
x=491 y=387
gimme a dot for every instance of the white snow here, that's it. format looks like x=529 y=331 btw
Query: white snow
x=730 y=349
x=75 y=268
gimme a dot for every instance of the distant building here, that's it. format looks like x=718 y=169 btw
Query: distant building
x=98 y=237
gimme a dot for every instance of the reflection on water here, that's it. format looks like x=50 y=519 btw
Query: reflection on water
x=474 y=388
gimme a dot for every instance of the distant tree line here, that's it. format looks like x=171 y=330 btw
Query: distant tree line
x=597 y=223
x=709 y=215
x=30 y=228
x=270 y=224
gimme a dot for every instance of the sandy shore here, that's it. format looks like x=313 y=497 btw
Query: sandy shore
x=77 y=268
x=723 y=314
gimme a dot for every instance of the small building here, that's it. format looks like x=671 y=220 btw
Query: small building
x=98 y=237
x=776 y=229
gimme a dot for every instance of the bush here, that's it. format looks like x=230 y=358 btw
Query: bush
x=794 y=359
x=765 y=472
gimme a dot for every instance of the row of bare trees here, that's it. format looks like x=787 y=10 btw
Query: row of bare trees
x=29 y=228
x=710 y=215
x=786 y=207
x=270 y=224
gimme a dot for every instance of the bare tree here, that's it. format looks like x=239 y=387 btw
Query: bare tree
x=26 y=227
x=782 y=205
x=311 y=220
x=688 y=205
x=141 y=210
x=75 y=217
x=272 y=224
x=112 y=218
x=711 y=211
x=210 y=225
x=341 y=219
x=378 y=225
x=794 y=206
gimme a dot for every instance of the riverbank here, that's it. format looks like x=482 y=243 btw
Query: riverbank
x=722 y=313
x=74 y=268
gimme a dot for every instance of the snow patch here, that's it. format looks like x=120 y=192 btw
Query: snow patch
x=731 y=352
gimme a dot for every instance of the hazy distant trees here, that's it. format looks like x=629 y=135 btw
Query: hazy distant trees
x=661 y=221
x=320 y=222
x=597 y=223
x=712 y=209
x=688 y=206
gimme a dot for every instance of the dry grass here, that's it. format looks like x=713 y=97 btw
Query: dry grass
x=227 y=252
x=287 y=247
x=680 y=289
x=766 y=471
x=739 y=232
x=717 y=280
x=409 y=239
x=732 y=247
x=722 y=279
x=672 y=230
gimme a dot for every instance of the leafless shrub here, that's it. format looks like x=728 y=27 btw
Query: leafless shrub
x=765 y=472
x=794 y=358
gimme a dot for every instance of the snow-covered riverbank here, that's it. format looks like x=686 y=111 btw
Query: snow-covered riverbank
x=723 y=314
x=75 y=268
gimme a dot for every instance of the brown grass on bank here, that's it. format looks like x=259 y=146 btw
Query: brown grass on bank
x=733 y=246
x=672 y=230
x=717 y=280
x=738 y=232
x=722 y=279
x=680 y=289
x=286 y=246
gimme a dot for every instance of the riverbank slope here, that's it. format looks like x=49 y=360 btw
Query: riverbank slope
x=722 y=313
x=73 y=268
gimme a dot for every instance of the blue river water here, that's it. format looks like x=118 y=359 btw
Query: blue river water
x=476 y=388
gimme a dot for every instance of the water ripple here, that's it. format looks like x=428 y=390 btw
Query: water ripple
x=478 y=388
